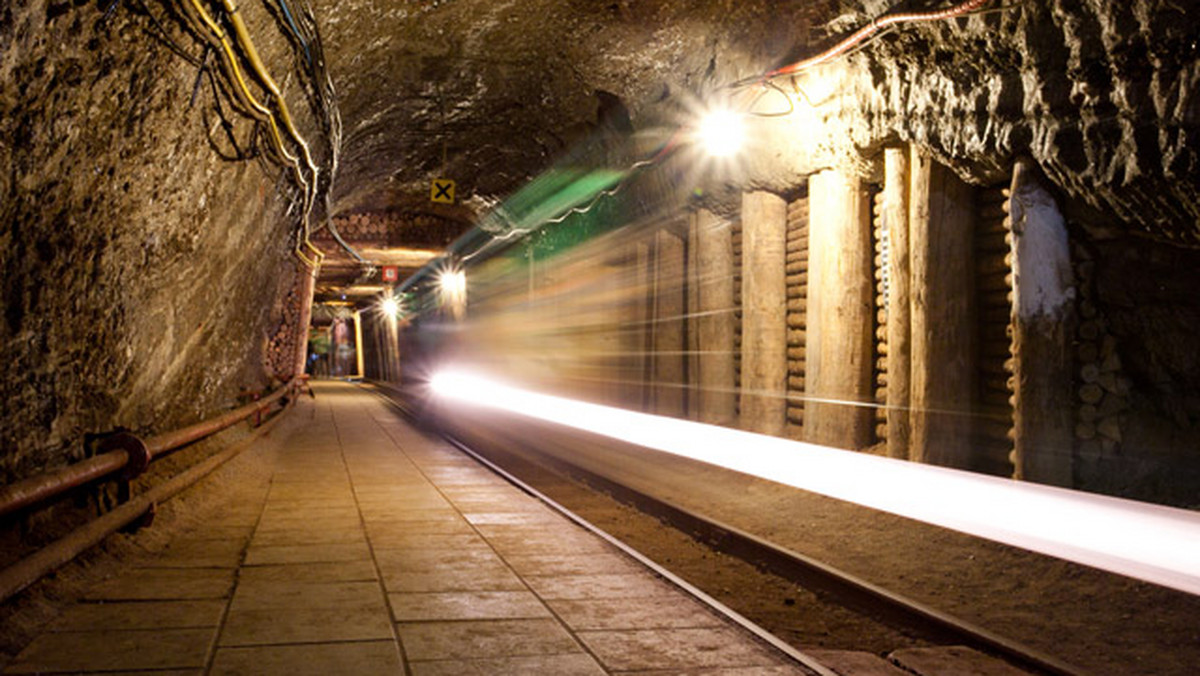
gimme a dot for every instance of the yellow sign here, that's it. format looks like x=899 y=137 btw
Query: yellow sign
x=442 y=191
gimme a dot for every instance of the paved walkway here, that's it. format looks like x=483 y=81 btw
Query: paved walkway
x=379 y=550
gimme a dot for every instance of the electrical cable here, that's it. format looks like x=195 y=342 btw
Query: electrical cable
x=862 y=34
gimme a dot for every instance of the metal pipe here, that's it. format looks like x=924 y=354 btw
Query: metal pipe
x=38 y=489
x=43 y=487
x=32 y=568
x=164 y=444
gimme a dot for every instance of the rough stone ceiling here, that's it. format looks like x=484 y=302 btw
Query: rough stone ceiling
x=1101 y=94
x=508 y=86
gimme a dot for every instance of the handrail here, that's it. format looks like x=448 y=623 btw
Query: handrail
x=40 y=488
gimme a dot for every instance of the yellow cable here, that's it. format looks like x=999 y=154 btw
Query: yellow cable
x=247 y=44
x=264 y=113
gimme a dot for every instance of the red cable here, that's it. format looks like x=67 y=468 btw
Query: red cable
x=876 y=25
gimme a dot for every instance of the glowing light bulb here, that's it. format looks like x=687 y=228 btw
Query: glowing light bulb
x=721 y=132
x=390 y=307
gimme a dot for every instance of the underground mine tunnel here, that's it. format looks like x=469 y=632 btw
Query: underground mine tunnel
x=462 y=336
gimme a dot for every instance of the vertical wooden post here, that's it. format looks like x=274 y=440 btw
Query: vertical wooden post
x=644 y=331
x=1043 y=322
x=764 y=313
x=308 y=281
x=840 y=294
x=668 y=324
x=941 y=219
x=895 y=216
x=714 y=326
x=360 y=371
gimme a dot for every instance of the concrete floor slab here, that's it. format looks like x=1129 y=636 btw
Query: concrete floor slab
x=647 y=649
x=394 y=515
x=534 y=518
x=426 y=560
x=111 y=650
x=551 y=543
x=557 y=665
x=614 y=586
x=484 y=639
x=571 y=564
x=491 y=578
x=190 y=553
x=317 y=553
x=308 y=536
x=380 y=532
x=342 y=571
x=264 y=595
x=304 y=625
x=374 y=658
x=426 y=541
x=158 y=584
x=141 y=615
x=634 y=613
x=481 y=605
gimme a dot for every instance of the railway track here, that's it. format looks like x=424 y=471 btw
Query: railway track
x=828 y=582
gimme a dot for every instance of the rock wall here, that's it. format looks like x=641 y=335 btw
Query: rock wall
x=139 y=258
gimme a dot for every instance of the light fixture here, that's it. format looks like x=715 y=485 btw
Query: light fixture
x=721 y=132
x=452 y=283
x=390 y=307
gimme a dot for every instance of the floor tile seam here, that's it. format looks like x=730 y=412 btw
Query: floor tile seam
x=285 y=644
x=555 y=615
x=214 y=646
x=393 y=625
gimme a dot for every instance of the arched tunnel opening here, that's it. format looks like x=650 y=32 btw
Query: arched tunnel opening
x=899 y=288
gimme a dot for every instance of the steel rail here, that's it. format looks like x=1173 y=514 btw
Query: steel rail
x=849 y=590
x=39 y=489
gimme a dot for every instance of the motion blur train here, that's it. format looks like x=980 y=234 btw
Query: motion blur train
x=607 y=319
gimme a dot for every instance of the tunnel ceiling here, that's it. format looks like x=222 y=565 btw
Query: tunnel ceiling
x=1101 y=94
x=503 y=88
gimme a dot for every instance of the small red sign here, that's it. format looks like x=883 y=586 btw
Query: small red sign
x=391 y=273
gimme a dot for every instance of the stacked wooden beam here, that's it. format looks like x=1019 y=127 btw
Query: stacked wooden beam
x=796 y=270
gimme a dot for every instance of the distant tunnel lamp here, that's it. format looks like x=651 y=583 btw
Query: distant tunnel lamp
x=721 y=132
x=390 y=307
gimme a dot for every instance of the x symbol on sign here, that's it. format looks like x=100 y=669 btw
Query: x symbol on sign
x=443 y=190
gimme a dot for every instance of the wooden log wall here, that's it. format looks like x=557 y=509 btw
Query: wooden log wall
x=879 y=375
x=283 y=343
x=736 y=235
x=764 y=319
x=994 y=296
x=796 y=269
x=839 y=328
x=1102 y=390
x=943 y=371
x=392 y=228
x=711 y=297
x=669 y=341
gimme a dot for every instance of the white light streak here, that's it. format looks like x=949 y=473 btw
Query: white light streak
x=1149 y=542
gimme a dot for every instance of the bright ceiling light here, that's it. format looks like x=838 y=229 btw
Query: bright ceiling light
x=721 y=132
